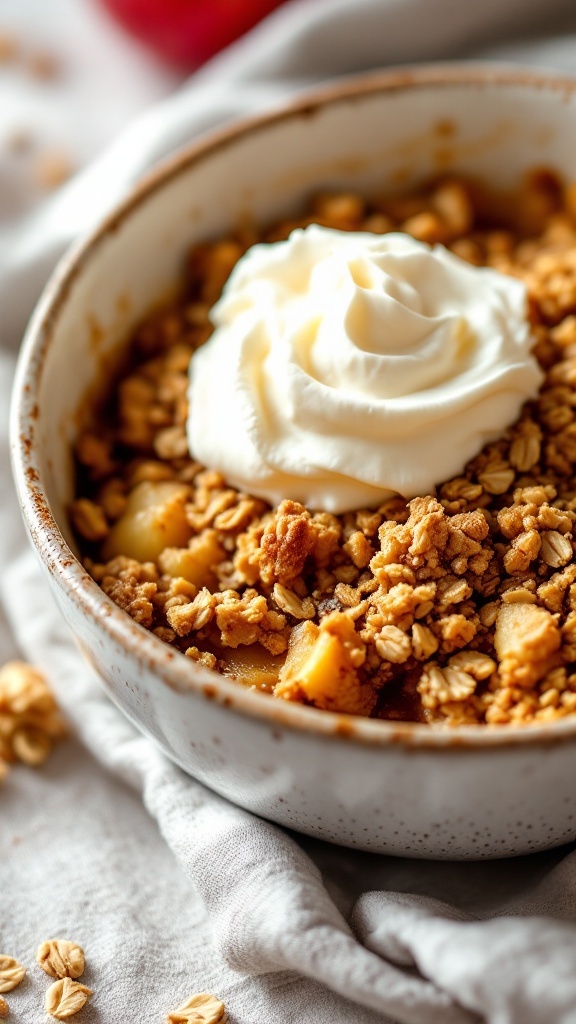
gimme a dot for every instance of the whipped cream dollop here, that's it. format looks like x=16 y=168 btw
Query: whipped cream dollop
x=346 y=367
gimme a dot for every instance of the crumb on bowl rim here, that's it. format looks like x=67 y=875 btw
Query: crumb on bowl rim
x=67 y=571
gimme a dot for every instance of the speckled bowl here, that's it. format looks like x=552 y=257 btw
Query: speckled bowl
x=400 y=789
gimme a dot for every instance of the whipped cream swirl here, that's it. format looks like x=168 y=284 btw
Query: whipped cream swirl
x=346 y=367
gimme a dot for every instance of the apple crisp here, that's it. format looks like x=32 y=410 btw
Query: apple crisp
x=457 y=607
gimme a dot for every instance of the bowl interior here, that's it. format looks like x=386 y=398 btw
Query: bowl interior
x=380 y=135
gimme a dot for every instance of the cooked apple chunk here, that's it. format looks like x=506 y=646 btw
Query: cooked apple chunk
x=526 y=640
x=154 y=519
x=322 y=667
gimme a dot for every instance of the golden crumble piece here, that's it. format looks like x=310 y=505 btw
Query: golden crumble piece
x=292 y=604
x=556 y=549
x=447 y=685
x=461 y=489
x=497 y=478
x=149 y=471
x=31 y=746
x=456 y=631
x=11 y=973
x=188 y=618
x=340 y=210
x=359 y=549
x=201 y=1008
x=30 y=721
x=426 y=227
x=451 y=590
x=94 y=453
x=286 y=543
x=209 y=502
x=133 y=597
x=452 y=203
x=518 y=595
x=61 y=958
x=525 y=450
x=526 y=640
x=524 y=549
x=398 y=606
x=204 y=658
x=424 y=643
x=4 y=1008
x=112 y=498
x=173 y=591
x=240 y=620
x=479 y=666
x=552 y=592
x=89 y=520
x=210 y=265
x=66 y=997
x=393 y=645
x=171 y=443
x=239 y=515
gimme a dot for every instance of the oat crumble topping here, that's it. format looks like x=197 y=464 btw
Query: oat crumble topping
x=458 y=607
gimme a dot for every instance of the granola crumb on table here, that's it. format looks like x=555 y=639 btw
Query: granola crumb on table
x=201 y=1008
x=30 y=721
x=11 y=973
x=66 y=997
x=61 y=958
x=458 y=607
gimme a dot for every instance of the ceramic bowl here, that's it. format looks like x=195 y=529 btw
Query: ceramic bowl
x=393 y=788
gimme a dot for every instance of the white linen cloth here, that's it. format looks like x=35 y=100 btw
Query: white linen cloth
x=197 y=894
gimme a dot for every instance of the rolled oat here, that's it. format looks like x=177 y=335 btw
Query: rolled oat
x=11 y=973
x=201 y=1008
x=66 y=997
x=61 y=958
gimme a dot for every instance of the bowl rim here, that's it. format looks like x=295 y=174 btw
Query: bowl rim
x=65 y=569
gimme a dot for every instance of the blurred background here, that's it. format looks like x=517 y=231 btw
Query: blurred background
x=74 y=72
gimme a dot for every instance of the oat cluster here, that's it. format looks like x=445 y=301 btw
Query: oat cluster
x=30 y=722
x=458 y=607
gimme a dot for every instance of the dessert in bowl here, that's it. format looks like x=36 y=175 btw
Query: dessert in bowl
x=288 y=561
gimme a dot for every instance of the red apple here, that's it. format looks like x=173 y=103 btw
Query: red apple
x=189 y=32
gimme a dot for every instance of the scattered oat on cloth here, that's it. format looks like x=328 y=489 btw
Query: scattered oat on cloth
x=172 y=889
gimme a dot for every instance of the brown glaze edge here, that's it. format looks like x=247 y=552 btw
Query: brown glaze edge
x=67 y=571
